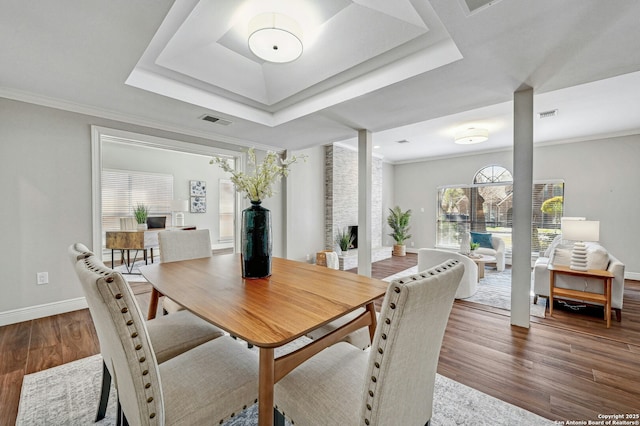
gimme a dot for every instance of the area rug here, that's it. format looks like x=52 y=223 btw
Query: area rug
x=133 y=275
x=68 y=394
x=493 y=290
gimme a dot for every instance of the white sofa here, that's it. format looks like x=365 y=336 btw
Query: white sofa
x=497 y=250
x=559 y=253
x=428 y=258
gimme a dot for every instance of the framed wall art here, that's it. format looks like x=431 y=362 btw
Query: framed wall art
x=198 y=205
x=198 y=188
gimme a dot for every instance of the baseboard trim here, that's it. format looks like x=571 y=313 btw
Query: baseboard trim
x=41 y=311
x=632 y=276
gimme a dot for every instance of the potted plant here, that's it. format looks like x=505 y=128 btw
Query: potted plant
x=141 y=212
x=473 y=246
x=344 y=240
x=399 y=223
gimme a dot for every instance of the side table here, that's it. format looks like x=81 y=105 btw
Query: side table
x=605 y=298
x=480 y=261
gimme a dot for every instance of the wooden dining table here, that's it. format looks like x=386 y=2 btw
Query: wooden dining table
x=269 y=312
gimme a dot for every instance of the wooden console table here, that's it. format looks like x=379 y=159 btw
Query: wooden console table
x=127 y=240
x=605 y=298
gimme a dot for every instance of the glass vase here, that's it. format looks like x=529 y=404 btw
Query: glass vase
x=256 y=241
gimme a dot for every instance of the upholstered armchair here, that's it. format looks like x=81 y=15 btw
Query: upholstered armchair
x=559 y=253
x=490 y=245
x=428 y=258
x=391 y=384
x=205 y=385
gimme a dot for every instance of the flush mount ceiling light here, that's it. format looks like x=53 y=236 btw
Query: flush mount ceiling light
x=275 y=38
x=471 y=135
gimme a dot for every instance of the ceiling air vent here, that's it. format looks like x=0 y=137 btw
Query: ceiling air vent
x=548 y=114
x=472 y=6
x=216 y=120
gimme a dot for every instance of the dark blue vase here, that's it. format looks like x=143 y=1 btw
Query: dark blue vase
x=256 y=241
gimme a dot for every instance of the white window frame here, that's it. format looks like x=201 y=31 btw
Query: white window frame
x=100 y=134
x=440 y=244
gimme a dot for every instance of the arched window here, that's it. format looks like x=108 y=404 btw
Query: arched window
x=492 y=174
x=486 y=206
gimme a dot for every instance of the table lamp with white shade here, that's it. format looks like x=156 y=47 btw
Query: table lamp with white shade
x=580 y=231
x=177 y=209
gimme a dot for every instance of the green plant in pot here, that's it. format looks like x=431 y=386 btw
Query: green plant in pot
x=344 y=240
x=473 y=246
x=399 y=223
x=141 y=212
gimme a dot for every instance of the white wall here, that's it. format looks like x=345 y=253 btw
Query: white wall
x=184 y=167
x=305 y=205
x=45 y=187
x=388 y=202
x=601 y=180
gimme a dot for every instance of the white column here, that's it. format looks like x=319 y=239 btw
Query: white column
x=522 y=205
x=365 y=183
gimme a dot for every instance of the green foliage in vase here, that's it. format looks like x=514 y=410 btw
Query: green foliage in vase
x=399 y=223
x=257 y=185
x=474 y=246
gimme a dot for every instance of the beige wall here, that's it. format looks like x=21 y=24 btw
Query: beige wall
x=46 y=188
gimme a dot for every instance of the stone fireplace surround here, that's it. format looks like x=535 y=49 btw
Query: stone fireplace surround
x=341 y=202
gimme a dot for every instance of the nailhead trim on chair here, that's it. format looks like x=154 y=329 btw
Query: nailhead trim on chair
x=111 y=288
x=384 y=334
x=383 y=342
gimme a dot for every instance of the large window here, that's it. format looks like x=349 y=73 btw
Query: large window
x=486 y=206
x=122 y=190
x=227 y=209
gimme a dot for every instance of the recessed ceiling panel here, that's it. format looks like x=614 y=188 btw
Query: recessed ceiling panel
x=350 y=48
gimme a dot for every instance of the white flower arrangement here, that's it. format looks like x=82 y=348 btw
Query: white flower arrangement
x=257 y=185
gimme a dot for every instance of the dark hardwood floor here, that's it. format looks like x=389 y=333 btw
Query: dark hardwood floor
x=569 y=367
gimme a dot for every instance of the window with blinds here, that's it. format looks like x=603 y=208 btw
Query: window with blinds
x=226 y=209
x=122 y=190
x=486 y=206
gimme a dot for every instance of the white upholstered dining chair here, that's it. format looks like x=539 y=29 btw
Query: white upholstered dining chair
x=182 y=245
x=169 y=335
x=205 y=385
x=392 y=383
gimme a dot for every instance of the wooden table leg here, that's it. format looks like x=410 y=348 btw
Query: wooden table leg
x=266 y=379
x=552 y=284
x=153 y=304
x=480 y=270
x=374 y=321
x=607 y=307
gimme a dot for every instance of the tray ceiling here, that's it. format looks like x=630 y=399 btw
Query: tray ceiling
x=200 y=55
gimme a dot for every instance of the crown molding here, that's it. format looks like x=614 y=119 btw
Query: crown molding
x=32 y=98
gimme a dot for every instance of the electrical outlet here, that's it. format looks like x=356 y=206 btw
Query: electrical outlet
x=412 y=243
x=43 y=278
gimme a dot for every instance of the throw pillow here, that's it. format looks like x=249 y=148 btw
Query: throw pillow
x=556 y=241
x=561 y=256
x=483 y=239
x=597 y=257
